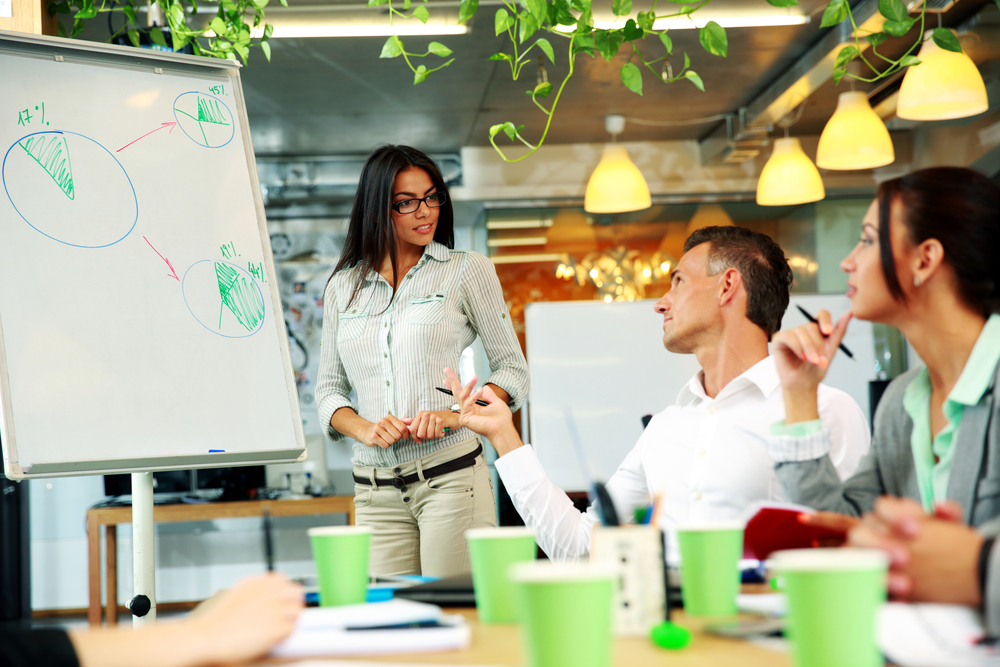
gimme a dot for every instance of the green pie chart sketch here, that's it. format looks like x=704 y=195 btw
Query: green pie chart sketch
x=224 y=298
x=205 y=119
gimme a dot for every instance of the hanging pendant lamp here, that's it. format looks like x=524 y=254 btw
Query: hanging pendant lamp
x=854 y=137
x=944 y=85
x=789 y=177
x=617 y=185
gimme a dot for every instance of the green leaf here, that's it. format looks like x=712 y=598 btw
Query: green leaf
x=178 y=40
x=407 y=4
x=621 y=7
x=946 y=39
x=502 y=56
x=63 y=7
x=376 y=3
x=156 y=35
x=877 y=38
x=893 y=10
x=846 y=55
x=439 y=49
x=537 y=9
x=266 y=48
x=608 y=42
x=393 y=47
x=243 y=51
x=494 y=129
x=633 y=31
x=667 y=42
x=77 y=27
x=783 y=3
x=838 y=74
x=129 y=12
x=177 y=16
x=580 y=5
x=268 y=31
x=133 y=36
x=583 y=44
x=218 y=26
x=526 y=27
x=511 y=131
x=467 y=10
x=559 y=13
x=420 y=75
x=421 y=13
x=632 y=78
x=585 y=23
x=645 y=20
x=503 y=21
x=713 y=38
x=61 y=31
x=909 y=61
x=684 y=11
x=687 y=60
x=546 y=48
x=898 y=28
x=695 y=79
x=89 y=11
x=542 y=90
x=836 y=11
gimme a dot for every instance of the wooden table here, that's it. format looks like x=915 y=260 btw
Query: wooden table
x=501 y=645
x=110 y=517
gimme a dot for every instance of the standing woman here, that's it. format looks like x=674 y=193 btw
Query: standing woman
x=926 y=264
x=400 y=307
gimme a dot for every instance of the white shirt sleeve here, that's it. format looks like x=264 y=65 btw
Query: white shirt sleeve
x=562 y=531
x=849 y=434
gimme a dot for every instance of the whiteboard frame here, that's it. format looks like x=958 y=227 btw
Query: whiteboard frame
x=127 y=57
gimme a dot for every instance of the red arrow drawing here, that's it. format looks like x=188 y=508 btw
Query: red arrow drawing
x=172 y=274
x=162 y=125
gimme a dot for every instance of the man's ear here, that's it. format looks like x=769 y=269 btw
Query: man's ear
x=729 y=286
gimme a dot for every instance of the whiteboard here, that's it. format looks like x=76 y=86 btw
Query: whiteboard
x=140 y=324
x=606 y=362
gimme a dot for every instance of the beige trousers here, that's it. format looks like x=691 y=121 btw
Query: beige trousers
x=421 y=530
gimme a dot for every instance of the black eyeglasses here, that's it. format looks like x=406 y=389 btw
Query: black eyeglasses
x=411 y=205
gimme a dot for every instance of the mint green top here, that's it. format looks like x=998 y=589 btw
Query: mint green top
x=972 y=384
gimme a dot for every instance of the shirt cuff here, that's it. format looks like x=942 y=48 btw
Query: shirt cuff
x=326 y=408
x=802 y=441
x=520 y=469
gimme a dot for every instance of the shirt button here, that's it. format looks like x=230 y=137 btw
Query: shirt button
x=711 y=409
x=387 y=383
x=387 y=324
x=503 y=316
x=385 y=354
x=353 y=311
x=697 y=496
x=409 y=275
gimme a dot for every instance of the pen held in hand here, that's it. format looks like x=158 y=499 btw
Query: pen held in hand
x=805 y=313
x=448 y=391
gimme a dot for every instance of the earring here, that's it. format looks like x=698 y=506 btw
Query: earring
x=916 y=281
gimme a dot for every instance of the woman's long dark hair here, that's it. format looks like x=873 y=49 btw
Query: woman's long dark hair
x=371 y=234
x=961 y=209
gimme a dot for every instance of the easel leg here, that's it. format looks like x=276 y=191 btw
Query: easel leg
x=111 y=573
x=143 y=545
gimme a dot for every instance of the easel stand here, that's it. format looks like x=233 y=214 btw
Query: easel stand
x=143 y=604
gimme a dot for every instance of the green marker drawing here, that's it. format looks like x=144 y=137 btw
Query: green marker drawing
x=51 y=151
x=240 y=296
x=208 y=112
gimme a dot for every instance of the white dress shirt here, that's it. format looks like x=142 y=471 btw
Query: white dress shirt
x=708 y=457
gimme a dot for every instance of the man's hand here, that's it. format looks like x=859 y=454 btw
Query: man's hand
x=493 y=421
x=802 y=356
x=428 y=424
x=932 y=558
x=385 y=432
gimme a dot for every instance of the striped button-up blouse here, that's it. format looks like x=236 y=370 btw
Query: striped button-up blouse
x=392 y=352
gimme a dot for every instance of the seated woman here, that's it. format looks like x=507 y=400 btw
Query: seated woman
x=925 y=264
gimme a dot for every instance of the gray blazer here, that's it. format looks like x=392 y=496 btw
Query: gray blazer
x=888 y=468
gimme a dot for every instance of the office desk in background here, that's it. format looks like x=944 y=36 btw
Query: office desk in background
x=110 y=517
x=502 y=645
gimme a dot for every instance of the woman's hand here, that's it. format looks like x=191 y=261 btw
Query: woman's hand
x=803 y=354
x=833 y=521
x=428 y=424
x=493 y=421
x=385 y=432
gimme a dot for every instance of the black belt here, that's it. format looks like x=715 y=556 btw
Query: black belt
x=400 y=481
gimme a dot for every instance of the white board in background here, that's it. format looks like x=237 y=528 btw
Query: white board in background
x=606 y=362
x=130 y=193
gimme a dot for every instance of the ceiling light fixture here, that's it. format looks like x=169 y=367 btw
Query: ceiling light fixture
x=290 y=31
x=854 y=137
x=617 y=185
x=943 y=86
x=689 y=23
x=789 y=177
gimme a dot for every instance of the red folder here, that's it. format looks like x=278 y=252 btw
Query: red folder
x=774 y=528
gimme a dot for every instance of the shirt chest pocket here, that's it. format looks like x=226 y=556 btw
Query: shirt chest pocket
x=351 y=323
x=426 y=309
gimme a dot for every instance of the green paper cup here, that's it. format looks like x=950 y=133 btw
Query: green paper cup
x=492 y=551
x=833 y=598
x=566 y=612
x=710 y=574
x=341 y=556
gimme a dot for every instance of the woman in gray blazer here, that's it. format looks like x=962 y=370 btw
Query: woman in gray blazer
x=925 y=264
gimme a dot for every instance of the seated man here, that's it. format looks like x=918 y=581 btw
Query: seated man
x=935 y=558
x=707 y=453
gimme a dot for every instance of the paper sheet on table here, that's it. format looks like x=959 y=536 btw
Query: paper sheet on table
x=323 y=631
x=938 y=635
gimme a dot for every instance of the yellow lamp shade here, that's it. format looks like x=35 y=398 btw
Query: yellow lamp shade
x=617 y=185
x=789 y=177
x=944 y=85
x=854 y=137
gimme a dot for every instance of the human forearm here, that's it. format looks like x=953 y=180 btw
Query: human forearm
x=801 y=404
x=160 y=645
x=348 y=422
x=500 y=392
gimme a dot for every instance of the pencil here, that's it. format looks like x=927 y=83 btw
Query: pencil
x=805 y=313
x=448 y=391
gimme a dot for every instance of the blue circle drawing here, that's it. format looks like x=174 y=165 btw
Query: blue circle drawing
x=244 y=312
x=42 y=149
x=205 y=119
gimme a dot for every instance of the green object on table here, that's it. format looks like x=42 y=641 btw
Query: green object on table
x=833 y=598
x=668 y=635
x=341 y=557
x=710 y=575
x=491 y=553
x=566 y=613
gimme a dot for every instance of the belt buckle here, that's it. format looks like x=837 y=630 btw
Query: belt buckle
x=398 y=482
